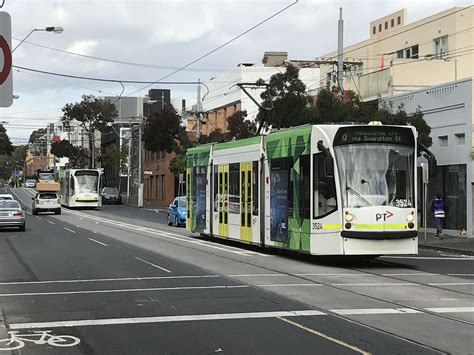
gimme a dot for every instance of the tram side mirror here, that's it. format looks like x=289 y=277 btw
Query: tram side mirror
x=323 y=149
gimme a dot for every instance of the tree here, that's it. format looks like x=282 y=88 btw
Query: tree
x=37 y=141
x=6 y=146
x=164 y=132
x=285 y=101
x=239 y=127
x=77 y=156
x=92 y=114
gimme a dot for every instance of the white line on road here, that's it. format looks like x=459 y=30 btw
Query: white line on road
x=38 y=217
x=460 y=274
x=451 y=284
x=346 y=274
x=451 y=309
x=145 y=278
x=377 y=284
x=257 y=275
x=70 y=230
x=28 y=212
x=366 y=311
x=468 y=258
x=122 y=290
x=289 y=285
x=412 y=274
x=50 y=222
x=166 y=319
x=154 y=265
x=96 y=241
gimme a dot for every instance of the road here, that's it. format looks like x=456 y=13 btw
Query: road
x=120 y=281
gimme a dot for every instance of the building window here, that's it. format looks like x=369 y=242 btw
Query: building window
x=407 y=53
x=399 y=20
x=374 y=30
x=414 y=52
x=443 y=141
x=380 y=28
x=440 y=46
x=163 y=186
x=400 y=53
x=386 y=25
x=460 y=138
x=392 y=22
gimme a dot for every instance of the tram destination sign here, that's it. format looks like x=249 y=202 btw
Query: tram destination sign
x=375 y=135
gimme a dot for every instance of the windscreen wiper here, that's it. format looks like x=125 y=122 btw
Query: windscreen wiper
x=348 y=188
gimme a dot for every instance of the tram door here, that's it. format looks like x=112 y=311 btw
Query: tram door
x=223 y=200
x=191 y=215
x=246 y=202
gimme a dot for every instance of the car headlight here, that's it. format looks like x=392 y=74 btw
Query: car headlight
x=348 y=217
x=411 y=217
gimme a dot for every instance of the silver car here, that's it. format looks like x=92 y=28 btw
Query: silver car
x=46 y=202
x=12 y=215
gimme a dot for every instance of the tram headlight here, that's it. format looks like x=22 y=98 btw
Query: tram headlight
x=410 y=217
x=348 y=217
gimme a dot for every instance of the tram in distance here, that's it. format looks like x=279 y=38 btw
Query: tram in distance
x=80 y=188
x=316 y=189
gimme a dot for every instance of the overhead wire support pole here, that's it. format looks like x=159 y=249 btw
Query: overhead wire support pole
x=340 y=54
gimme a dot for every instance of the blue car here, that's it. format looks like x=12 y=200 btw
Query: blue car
x=177 y=211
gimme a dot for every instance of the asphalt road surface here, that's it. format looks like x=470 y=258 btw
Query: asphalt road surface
x=120 y=281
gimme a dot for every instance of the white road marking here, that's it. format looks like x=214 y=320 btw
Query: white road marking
x=451 y=309
x=96 y=241
x=367 y=311
x=341 y=274
x=122 y=290
x=412 y=274
x=38 y=217
x=70 y=230
x=460 y=274
x=50 y=222
x=257 y=275
x=107 y=280
x=468 y=258
x=28 y=212
x=166 y=319
x=289 y=285
x=154 y=265
x=377 y=284
x=451 y=284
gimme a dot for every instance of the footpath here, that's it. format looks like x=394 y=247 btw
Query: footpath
x=460 y=245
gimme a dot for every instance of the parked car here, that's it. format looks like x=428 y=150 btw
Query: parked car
x=12 y=215
x=46 y=202
x=177 y=211
x=30 y=183
x=111 y=195
x=8 y=197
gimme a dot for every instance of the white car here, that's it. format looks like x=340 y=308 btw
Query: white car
x=8 y=197
x=46 y=202
x=30 y=183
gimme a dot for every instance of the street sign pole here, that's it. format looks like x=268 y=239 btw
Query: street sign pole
x=426 y=176
x=6 y=76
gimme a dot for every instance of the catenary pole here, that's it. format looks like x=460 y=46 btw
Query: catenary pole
x=340 y=50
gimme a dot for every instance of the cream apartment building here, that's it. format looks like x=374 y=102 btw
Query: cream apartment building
x=400 y=57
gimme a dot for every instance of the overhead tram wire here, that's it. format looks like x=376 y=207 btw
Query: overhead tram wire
x=217 y=48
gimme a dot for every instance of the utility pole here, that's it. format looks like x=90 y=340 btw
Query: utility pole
x=340 y=49
x=140 y=163
x=128 y=164
x=198 y=110
x=92 y=145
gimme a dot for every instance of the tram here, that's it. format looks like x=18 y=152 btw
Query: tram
x=80 y=188
x=316 y=189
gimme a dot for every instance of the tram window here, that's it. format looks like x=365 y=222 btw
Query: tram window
x=304 y=187
x=255 y=187
x=215 y=187
x=71 y=191
x=324 y=186
x=234 y=188
x=281 y=177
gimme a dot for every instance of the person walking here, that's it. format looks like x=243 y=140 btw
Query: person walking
x=438 y=207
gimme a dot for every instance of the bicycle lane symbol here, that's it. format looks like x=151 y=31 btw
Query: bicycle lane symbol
x=38 y=337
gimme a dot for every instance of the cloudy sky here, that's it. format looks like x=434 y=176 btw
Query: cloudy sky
x=166 y=35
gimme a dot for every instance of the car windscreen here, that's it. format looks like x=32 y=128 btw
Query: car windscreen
x=182 y=202
x=9 y=205
x=48 y=196
x=5 y=198
x=110 y=191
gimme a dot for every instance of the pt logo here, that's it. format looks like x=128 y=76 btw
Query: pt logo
x=384 y=216
x=7 y=60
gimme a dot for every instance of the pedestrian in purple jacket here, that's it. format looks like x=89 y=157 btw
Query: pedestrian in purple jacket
x=438 y=208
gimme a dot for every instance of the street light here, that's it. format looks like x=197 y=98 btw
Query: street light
x=53 y=29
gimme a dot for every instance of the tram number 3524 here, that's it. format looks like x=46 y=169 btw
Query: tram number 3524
x=317 y=226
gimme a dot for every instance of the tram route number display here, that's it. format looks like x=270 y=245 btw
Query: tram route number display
x=374 y=134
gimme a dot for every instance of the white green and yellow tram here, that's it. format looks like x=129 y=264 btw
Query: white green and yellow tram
x=316 y=189
x=80 y=188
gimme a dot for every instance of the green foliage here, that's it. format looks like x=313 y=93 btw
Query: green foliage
x=215 y=136
x=38 y=135
x=164 y=132
x=240 y=128
x=111 y=156
x=178 y=164
x=77 y=156
x=6 y=146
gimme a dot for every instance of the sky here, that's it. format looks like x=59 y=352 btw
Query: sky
x=166 y=35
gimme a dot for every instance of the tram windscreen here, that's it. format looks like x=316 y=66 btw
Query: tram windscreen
x=86 y=182
x=376 y=174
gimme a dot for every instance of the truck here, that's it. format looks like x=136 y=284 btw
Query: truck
x=45 y=181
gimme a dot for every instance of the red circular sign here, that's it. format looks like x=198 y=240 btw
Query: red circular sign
x=7 y=60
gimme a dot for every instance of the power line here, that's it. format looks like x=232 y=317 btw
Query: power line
x=217 y=48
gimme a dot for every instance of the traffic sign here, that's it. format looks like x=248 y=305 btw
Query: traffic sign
x=6 y=76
